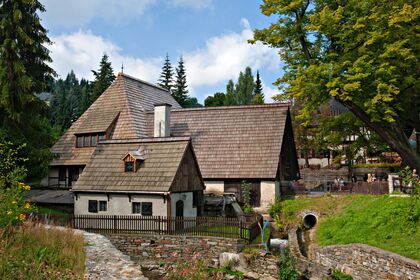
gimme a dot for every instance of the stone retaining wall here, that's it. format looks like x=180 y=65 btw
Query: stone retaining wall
x=358 y=260
x=169 y=248
x=366 y=262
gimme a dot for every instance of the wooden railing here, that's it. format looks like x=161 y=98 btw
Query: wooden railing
x=245 y=228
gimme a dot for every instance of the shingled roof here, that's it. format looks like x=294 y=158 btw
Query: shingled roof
x=124 y=103
x=233 y=142
x=105 y=173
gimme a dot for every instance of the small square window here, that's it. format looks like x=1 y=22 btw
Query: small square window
x=79 y=141
x=129 y=166
x=93 y=140
x=136 y=207
x=86 y=141
x=101 y=137
x=146 y=209
x=102 y=205
x=93 y=206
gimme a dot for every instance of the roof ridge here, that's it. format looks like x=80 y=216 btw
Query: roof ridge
x=233 y=107
x=142 y=81
x=146 y=140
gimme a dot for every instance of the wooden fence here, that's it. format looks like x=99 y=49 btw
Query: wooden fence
x=243 y=227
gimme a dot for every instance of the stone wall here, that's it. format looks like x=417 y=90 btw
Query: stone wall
x=169 y=248
x=366 y=262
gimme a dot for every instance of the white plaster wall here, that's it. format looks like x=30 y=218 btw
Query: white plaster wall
x=215 y=187
x=187 y=197
x=119 y=204
x=269 y=191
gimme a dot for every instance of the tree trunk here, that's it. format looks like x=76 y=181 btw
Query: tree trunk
x=391 y=133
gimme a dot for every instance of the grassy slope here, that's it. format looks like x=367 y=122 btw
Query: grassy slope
x=29 y=252
x=379 y=221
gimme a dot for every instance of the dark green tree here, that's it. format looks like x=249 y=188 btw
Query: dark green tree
x=244 y=88
x=218 y=99
x=192 y=102
x=180 y=91
x=230 y=94
x=86 y=92
x=24 y=72
x=258 y=91
x=103 y=77
x=166 y=76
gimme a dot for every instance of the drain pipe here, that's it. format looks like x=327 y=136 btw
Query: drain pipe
x=309 y=220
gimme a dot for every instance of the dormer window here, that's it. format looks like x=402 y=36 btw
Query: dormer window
x=89 y=140
x=129 y=166
x=132 y=161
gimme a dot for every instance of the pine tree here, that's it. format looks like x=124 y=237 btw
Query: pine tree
x=258 y=91
x=244 y=89
x=86 y=91
x=230 y=98
x=180 y=92
x=24 y=72
x=166 y=77
x=103 y=77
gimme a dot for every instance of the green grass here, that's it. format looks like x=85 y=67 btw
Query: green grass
x=379 y=221
x=33 y=252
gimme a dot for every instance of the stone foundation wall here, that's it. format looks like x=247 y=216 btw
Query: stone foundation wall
x=366 y=262
x=169 y=248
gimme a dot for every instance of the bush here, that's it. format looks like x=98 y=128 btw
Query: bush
x=13 y=207
x=287 y=269
x=246 y=195
x=338 y=275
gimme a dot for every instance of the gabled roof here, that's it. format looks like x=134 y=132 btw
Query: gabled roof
x=105 y=170
x=233 y=142
x=123 y=103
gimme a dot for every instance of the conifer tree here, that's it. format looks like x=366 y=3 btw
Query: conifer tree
x=180 y=92
x=166 y=77
x=230 y=98
x=103 y=77
x=24 y=72
x=244 y=88
x=258 y=91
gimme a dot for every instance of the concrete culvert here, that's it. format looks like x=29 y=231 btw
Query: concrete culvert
x=309 y=220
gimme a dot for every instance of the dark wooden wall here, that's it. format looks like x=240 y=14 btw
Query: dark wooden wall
x=289 y=167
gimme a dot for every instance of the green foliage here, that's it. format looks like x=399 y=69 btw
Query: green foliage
x=287 y=266
x=244 y=88
x=33 y=252
x=192 y=102
x=166 y=76
x=13 y=206
x=246 y=196
x=378 y=164
x=180 y=91
x=70 y=99
x=230 y=94
x=274 y=210
x=258 y=91
x=338 y=275
x=360 y=53
x=380 y=221
x=24 y=72
x=413 y=182
x=218 y=99
x=103 y=77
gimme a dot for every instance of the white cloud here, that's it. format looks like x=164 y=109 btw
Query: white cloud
x=221 y=59
x=77 y=13
x=82 y=51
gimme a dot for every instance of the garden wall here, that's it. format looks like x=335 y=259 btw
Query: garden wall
x=169 y=248
x=358 y=260
x=366 y=262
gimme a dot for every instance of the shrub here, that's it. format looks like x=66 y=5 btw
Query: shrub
x=338 y=275
x=287 y=269
x=13 y=207
x=246 y=195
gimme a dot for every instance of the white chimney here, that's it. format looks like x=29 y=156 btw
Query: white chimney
x=162 y=120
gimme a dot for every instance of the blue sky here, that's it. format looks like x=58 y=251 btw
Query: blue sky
x=211 y=35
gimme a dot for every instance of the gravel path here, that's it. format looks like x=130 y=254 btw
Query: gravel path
x=104 y=261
